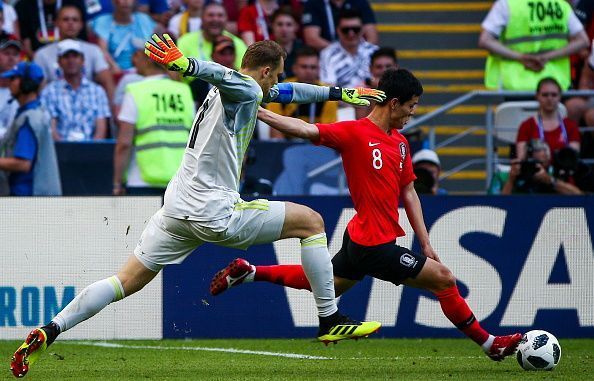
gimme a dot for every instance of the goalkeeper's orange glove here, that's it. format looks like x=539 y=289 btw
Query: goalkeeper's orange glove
x=166 y=53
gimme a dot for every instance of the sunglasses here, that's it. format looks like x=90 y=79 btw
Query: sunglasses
x=310 y=67
x=546 y=95
x=347 y=29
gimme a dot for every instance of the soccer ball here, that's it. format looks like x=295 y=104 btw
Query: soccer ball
x=538 y=350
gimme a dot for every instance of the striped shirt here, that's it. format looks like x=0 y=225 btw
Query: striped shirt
x=340 y=68
x=76 y=110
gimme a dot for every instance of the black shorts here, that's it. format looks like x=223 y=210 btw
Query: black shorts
x=387 y=261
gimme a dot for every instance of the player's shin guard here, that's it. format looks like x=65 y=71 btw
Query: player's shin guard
x=315 y=259
x=291 y=276
x=89 y=302
x=457 y=311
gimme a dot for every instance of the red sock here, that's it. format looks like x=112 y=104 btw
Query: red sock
x=457 y=311
x=291 y=276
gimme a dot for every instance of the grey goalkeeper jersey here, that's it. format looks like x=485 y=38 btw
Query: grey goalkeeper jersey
x=205 y=187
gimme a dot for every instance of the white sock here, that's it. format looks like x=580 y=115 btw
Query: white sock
x=317 y=265
x=89 y=302
x=487 y=344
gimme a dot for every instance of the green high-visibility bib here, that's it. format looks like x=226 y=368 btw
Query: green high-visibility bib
x=165 y=114
x=535 y=26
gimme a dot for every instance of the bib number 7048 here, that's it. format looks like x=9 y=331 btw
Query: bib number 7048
x=377 y=158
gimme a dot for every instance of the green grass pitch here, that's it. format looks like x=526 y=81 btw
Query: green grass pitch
x=239 y=359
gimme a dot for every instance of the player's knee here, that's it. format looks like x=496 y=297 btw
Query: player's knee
x=315 y=222
x=445 y=279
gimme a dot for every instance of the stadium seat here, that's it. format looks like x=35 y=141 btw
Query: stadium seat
x=509 y=116
x=300 y=159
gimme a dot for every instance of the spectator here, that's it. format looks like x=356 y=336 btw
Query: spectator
x=579 y=108
x=307 y=70
x=232 y=8
x=321 y=16
x=254 y=21
x=128 y=78
x=525 y=48
x=96 y=8
x=223 y=52
x=188 y=20
x=583 y=108
x=382 y=59
x=9 y=20
x=39 y=28
x=548 y=125
x=154 y=123
x=345 y=63
x=158 y=10
x=118 y=33
x=583 y=10
x=284 y=29
x=427 y=168
x=533 y=174
x=28 y=153
x=199 y=44
x=70 y=23
x=78 y=107
x=10 y=51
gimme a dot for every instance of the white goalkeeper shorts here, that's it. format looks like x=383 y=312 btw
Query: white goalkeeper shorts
x=166 y=240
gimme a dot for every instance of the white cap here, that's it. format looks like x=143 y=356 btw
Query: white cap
x=69 y=45
x=426 y=155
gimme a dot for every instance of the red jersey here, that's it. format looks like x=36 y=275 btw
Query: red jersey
x=555 y=138
x=377 y=166
x=250 y=21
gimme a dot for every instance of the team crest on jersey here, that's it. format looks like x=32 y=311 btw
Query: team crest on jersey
x=402 y=150
x=402 y=147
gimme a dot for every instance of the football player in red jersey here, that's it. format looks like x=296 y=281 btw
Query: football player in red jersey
x=377 y=162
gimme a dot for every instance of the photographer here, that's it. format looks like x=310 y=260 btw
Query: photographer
x=569 y=168
x=427 y=168
x=535 y=173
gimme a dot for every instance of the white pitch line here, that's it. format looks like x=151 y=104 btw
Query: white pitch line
x=414 y=358
x=205 y=349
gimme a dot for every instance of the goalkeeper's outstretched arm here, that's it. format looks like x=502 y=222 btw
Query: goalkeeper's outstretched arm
x=237 y=86
x=164 y=51
x=296 y=92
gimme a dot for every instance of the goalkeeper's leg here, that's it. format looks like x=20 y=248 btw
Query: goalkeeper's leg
x=92 y=299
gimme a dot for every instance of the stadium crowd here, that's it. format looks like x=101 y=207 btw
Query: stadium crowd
x=91 y=56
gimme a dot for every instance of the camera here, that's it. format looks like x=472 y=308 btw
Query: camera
x=526 y=182
x=566 y=163
x=529 y=167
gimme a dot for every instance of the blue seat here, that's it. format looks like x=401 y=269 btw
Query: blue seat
x=300 y=159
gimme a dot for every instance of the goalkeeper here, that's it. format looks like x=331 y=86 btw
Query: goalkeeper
x=202 y=202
